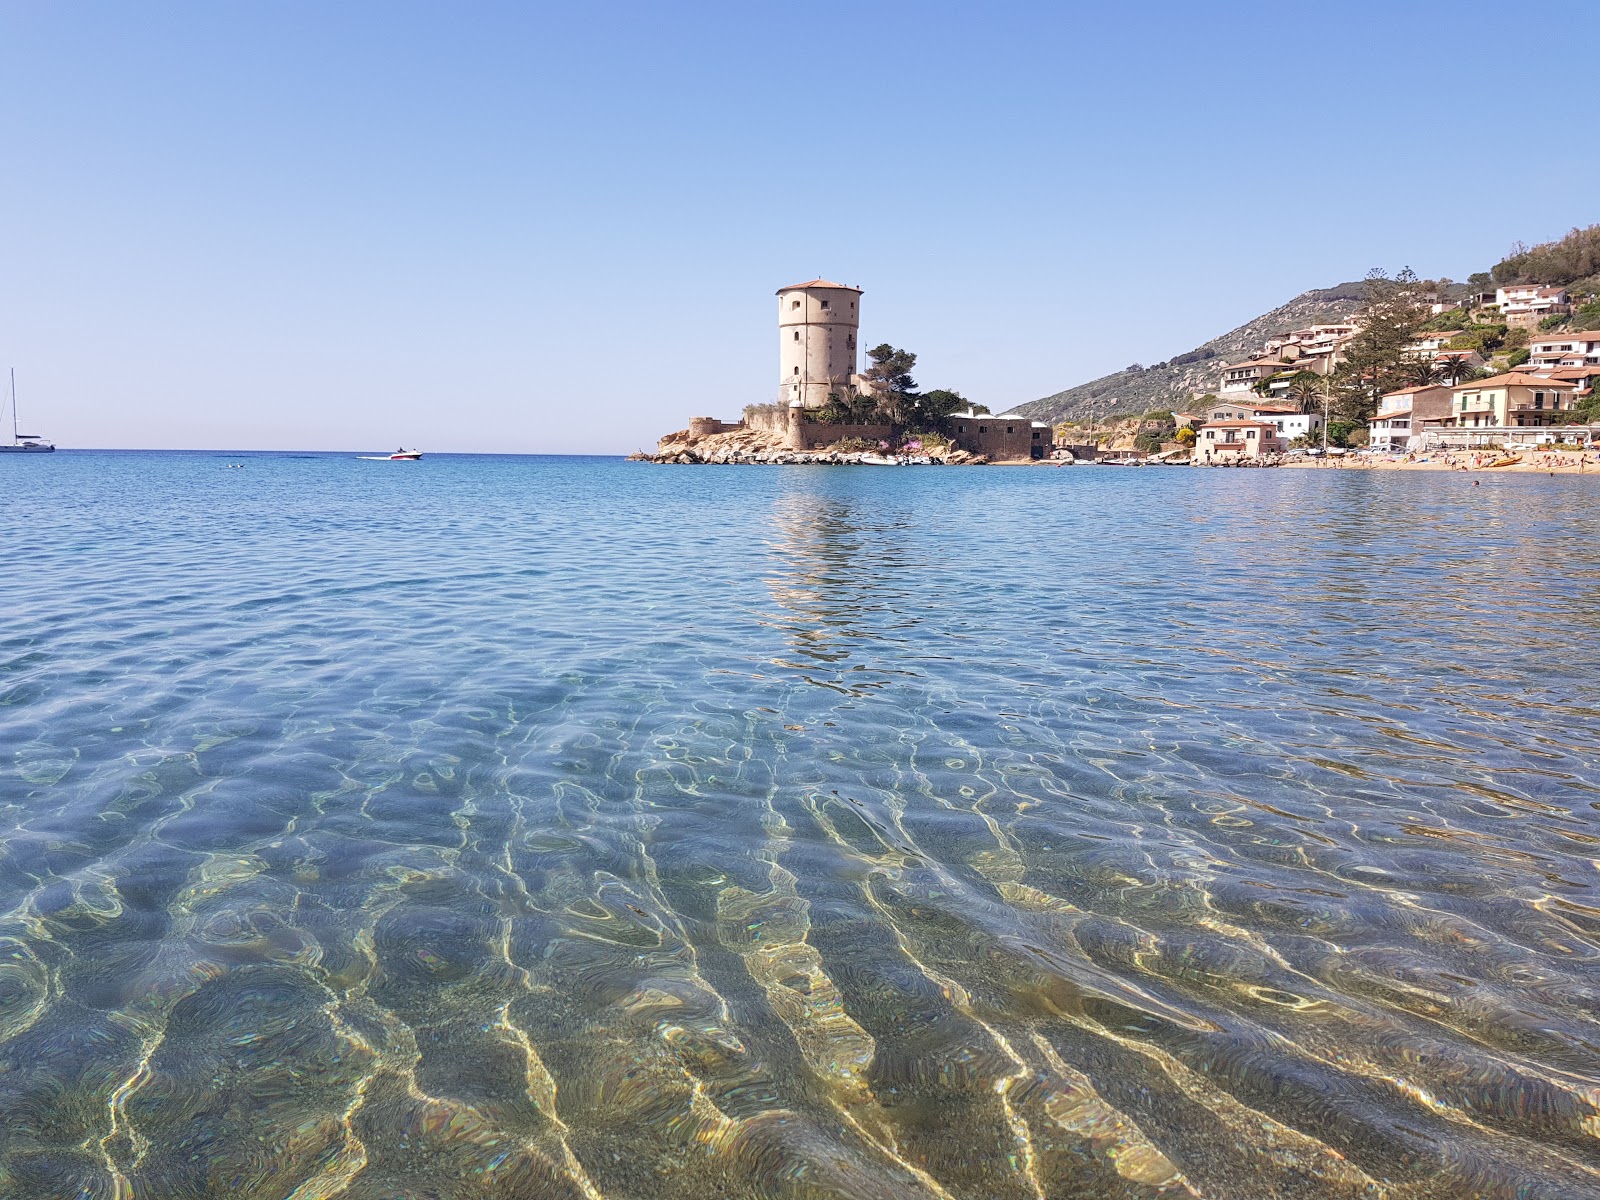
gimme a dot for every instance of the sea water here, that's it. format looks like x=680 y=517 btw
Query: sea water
x=540 y=827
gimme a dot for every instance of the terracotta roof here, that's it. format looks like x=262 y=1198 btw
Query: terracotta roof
x=817 y=283
x=1274 y=408
x=1587 y=335
x=1412 y=391
x=1573 y=372
x=1256 y=362
x=1240 y=425
x=1510 y=379
x=1389 y=416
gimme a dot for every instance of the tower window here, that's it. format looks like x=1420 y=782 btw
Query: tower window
x=797 y=335
x=824 y=304
x=797 y=370
x=793 y=304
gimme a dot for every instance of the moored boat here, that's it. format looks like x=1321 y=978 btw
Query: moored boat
x=23 y=443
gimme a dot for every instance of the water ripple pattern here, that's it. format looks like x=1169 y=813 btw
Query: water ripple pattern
x=522 y=828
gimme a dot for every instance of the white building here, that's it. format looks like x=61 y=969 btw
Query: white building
x=1287 y=421
x=1529 y=303
x=1317 y=348
x=1428 y=345
x=817 y=324
x=1581 y=349
x=1243 y=377
x=1403 y=417
x=1293 y=424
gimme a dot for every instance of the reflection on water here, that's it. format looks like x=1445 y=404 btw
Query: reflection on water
x=648 y=833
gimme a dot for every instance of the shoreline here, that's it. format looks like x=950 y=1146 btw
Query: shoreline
x=1542 y=462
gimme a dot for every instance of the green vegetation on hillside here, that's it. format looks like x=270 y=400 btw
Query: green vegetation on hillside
x=1572 y=262
x=1173 y=384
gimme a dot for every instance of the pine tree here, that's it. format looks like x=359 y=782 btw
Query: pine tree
x=1375 y=358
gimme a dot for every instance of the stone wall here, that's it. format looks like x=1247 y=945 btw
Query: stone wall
x=767 y=418
x=1004 y=438
x=813 y=435
x=700 y=427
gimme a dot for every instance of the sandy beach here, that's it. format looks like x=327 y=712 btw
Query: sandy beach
x=1541 y=461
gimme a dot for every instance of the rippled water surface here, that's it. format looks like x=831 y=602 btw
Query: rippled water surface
x=523 y=828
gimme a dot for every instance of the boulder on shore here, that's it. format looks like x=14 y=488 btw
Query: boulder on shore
x=759 y=447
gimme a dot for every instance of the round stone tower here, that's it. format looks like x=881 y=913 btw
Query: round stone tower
x=817 y=324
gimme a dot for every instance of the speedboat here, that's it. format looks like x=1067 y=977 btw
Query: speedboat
x=405 y=456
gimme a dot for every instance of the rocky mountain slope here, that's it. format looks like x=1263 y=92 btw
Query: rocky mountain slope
x=1170 y=384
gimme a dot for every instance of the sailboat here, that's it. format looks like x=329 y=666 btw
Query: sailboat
x=23 y=443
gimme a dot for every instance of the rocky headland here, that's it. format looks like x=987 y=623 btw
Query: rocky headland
x=760 y=447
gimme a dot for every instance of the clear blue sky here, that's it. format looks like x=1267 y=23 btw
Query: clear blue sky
x=558 y=228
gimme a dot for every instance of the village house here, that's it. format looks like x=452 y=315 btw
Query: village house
x=1565 y=349
x=1243 y=377
x=1461 y=360
x=1403 y=417
x=1234 y=440
x=1318 y=348
x=1582 y=378
x=1288 y=422
x=1426 y=346
x=1512 y=400
x=1525 y=305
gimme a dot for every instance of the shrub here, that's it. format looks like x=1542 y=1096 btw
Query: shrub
x=1455 y=318
x=1340 y=433
x=1518 y=356
x=1559 y=262
x=1485 y=339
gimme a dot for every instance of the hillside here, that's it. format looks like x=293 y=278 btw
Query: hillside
x=1170 y=384
x=1572 y=261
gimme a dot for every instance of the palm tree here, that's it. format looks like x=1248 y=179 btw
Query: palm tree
x=1455 y=368
x=1305 y=389
x=1423 y=372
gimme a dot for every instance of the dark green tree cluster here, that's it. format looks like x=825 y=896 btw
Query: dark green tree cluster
x=1568 y=261
x=895 y=400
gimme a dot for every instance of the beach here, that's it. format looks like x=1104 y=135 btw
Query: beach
x=1533 y=461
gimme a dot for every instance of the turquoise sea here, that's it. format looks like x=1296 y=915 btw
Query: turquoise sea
x=515 y=828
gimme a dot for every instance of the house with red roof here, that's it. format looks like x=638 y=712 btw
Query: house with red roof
x=1235 y=441
x=1403 y=417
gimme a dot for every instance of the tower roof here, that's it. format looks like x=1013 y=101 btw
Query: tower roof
x=817 y=283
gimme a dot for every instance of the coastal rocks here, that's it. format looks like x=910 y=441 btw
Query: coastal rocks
x=754 y=447
x=1265 y=460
